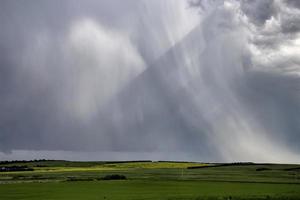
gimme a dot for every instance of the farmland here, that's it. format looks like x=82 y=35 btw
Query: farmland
x=149 y=180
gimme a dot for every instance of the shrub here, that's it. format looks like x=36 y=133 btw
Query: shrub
x=114 y=177
x=262 y=169
x=79 y=179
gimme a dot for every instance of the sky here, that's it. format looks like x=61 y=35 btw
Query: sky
x=193 y=80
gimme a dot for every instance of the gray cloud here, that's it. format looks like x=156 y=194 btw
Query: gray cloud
x=107 y=76
x=294 y=3
x=258 y=11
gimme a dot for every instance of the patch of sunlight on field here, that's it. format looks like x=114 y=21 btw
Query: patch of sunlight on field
x=154 y=165
x=121 y=166
x=112 y=167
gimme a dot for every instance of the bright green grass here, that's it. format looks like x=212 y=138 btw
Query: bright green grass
x=160 y=190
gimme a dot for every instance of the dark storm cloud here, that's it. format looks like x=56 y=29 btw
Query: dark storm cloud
x=274 y=94
x=291 y=24
x=152 y=78
x=279 y=26
x=294 y=3
x=258 y=11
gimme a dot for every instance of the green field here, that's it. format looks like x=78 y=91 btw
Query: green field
x=150 y=180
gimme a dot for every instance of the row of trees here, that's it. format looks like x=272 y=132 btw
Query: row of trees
x=22 y=161
x=15 y=168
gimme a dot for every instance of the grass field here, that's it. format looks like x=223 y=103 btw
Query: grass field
x=150 y=180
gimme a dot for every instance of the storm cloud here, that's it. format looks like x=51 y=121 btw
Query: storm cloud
x=182 y=80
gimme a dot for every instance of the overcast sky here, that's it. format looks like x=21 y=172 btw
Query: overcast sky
x=203 y=80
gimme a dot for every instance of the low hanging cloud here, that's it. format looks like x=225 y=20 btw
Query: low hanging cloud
x=101 y=63
x=209 y=80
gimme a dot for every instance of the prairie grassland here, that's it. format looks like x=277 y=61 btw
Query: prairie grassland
x=150 y=180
